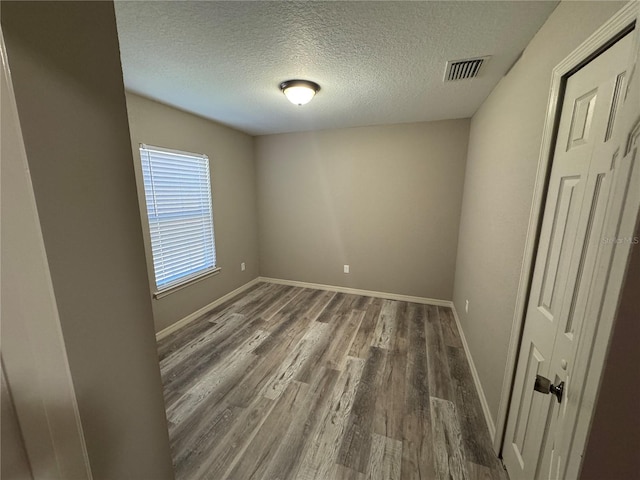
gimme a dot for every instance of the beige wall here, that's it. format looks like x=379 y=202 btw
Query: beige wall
x=68 y=83
x=385 y=200
x=504 y=145
x=233 y=190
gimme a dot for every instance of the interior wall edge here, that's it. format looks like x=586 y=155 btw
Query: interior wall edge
x=67 y=77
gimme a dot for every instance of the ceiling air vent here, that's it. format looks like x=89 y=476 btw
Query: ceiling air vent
x=463 y=69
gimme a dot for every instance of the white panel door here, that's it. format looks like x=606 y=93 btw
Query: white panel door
x=576 y=211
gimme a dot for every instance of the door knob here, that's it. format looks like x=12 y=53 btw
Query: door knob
x=544 y=385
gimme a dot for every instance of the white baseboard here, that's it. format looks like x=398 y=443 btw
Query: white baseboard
x=356 y=291
x=198 y=313
x=476 y=379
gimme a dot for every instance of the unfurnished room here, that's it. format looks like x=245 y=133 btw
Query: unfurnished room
x=330 y=240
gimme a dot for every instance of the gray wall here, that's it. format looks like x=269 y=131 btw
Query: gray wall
x=233 y=190
x=385 y=200
x=504 y=146
x=68 y=82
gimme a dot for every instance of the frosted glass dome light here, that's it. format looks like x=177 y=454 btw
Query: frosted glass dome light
x=299 y=92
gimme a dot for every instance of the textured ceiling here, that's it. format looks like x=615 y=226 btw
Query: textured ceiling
x=376 y=62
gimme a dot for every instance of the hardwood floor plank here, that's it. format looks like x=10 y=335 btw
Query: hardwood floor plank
x=254 y=381
x=475 y=435
x=272 y=354
x=171 y=396
x=385 y=329
x=320 y=455
x=449 y=328
x=205 y=399
x=333 y=308
x=346 y=473
x=265 y=293
x=331 y=350
x=193 y=329
x=356 y=443
x=267 y=313
x=341 y=307
x=362 y=302
x=188 y=432
x=296 y=359
x=259 y=452
x=174 y=421
x=297 y=303
x=231 y=327
x=228 y=372
x=193 y=412
x=185 y=374
x=188 y=460
x=286 y=460
x=202 y=342
x=246 y=304
x=400 y=340
x=336 y=355
x=385 y=459
x=417 y=444
x=288 y=319
x=364 y=337
x=389 y=409
x=417 y=448
x=227 y=446
x=480 y=472
x=355 y=303
x=313 y=313
x=352 y=302
x=450 y=461
x=252 y=304
x=439 y=376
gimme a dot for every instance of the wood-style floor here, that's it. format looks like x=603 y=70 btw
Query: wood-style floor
x=294 y=383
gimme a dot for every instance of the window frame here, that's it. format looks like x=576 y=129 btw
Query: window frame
x=194 y=277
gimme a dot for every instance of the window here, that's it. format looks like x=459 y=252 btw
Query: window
x=177 y=188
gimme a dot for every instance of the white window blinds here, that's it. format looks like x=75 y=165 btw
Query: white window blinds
x=177 y=188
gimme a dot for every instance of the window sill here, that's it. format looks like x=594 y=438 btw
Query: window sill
x=168 y=291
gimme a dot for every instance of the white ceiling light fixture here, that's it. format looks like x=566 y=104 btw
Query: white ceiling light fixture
x=299 y=92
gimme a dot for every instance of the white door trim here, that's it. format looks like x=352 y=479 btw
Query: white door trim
x=600 y=39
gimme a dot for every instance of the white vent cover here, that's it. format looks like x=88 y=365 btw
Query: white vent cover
x=463 y=69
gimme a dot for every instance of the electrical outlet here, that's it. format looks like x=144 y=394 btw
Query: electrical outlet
x=346 y=269
x=243 y=267
x=466 y=306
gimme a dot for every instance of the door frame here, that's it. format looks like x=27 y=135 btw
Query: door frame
x=620 y=24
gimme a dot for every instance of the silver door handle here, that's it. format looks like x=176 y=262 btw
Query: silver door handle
x=544 y=385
